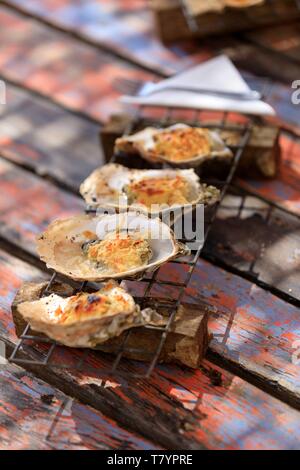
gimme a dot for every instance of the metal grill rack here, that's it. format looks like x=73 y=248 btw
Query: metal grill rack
x=193 y=25
x=36 y=350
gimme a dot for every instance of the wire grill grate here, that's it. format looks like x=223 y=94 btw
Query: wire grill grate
x=34 y=349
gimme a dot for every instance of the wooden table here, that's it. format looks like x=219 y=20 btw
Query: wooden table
x=59 y=59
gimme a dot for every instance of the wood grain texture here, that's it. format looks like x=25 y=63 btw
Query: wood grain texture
x=137 y=35
x=81 y=78
x=54 y=64
x=178 y=408
x=98 y=22
x=283 y=39
x=263 y=244
x=48 y=140
x=36 y=416
x=258 y=330
x=31 y=203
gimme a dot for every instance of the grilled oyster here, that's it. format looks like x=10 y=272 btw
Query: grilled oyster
x=151 y=191
x=178 y=145
x=107 y=246
x=83 y=320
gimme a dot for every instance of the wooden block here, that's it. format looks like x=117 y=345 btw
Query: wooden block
x=260 y=158
x=172 y=25
x=284 y=190
x=186 y=343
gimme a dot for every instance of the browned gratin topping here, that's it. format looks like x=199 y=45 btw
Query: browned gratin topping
x=166 y=190
x=83 y=306
x=120 y=252
x=182 y=144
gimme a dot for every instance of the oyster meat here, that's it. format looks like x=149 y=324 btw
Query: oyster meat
x=178 y=145
x=83 y=319
x=151 y=191
x=116 y=246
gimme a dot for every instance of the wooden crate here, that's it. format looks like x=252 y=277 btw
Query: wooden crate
x=171 y=23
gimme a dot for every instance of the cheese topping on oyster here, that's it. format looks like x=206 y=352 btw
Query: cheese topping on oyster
x=178 y=145
x=151 y=191
x=119 y=252
x=165 y=190
x=88 y=248
x=181 y=144
x=83 y=320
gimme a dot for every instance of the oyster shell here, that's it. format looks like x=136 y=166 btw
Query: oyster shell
x=83 y=319
x=115 y=246
x=178 y=145
x=150 y=191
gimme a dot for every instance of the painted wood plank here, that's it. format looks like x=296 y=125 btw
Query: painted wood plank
x=31 y=203
x=283 y=39
x=263 y=244
x=81 y=77
x=251 y=314
x=136 y=38
x=54 y=64
x=178 y=407
x=47 y=139
x=37 y=416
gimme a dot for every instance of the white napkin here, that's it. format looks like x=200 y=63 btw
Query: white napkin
x=218 y=74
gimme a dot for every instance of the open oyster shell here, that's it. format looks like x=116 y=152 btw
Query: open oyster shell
x=109 y=187
x=65 y=243
x=179 y=145
x=84 y=319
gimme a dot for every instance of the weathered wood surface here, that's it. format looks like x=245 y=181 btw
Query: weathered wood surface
x=38 y=201
x=263 y=244
x=137 y=39
x=57 y=65
x=97 y=23
x=81 y=78
x=243 y=309
x=36 y=416
x=179 y=408
x=47 y=139
x=283 y=39
x=254 y=331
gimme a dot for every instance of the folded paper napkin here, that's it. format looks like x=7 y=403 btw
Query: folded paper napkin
x=197 y=7
x=218 y=74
